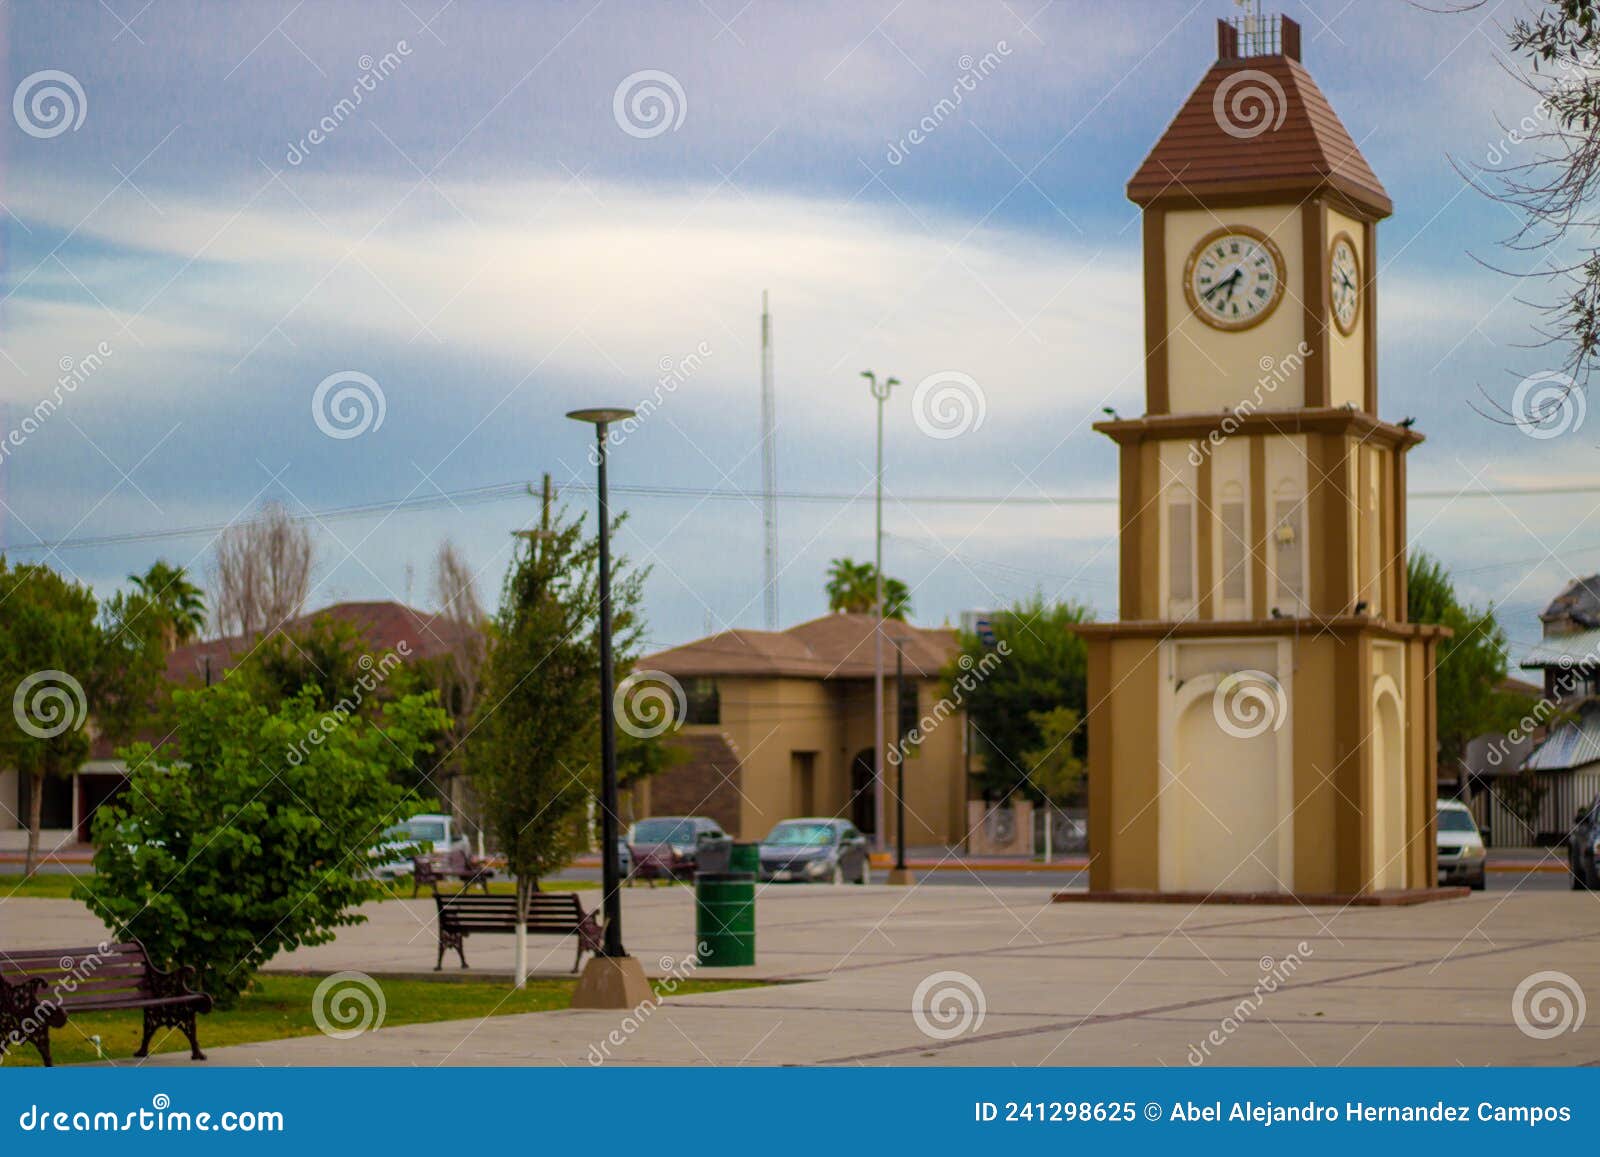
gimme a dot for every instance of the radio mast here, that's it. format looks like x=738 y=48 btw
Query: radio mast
x=769 y=467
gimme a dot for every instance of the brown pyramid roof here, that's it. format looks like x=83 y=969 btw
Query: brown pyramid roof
x=1299 y=146
x=837 y=646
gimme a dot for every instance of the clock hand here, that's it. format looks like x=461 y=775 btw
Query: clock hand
x=1230 y=281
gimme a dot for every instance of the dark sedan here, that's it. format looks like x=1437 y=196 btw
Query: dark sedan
x=1583 y=841
x=814 y=851
x=666 y=847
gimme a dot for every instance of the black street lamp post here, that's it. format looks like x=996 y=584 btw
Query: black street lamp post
x=613 y=979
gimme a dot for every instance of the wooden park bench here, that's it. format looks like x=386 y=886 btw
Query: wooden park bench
x=40 y=987
x=549 y=914
x=427 y=871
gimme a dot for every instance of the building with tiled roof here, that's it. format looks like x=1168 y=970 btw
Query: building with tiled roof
x=780 y=725
x=1557 y=751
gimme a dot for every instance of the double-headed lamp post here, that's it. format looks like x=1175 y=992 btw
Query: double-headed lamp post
x=880 y=391
x=612 y=979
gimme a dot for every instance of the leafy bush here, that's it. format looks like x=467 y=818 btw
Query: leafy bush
x=224 y=851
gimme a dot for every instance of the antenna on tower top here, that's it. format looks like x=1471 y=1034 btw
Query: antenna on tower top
x=769 y=467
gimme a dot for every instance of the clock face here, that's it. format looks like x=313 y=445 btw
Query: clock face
x=1234 y=278
x=1344 y=283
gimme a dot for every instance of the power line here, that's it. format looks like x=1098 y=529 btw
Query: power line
x=511 y=491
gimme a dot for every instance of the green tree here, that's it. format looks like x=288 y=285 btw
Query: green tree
x=1043 y=668
x=246 y=836
x=335 y=662
x=131 y=691
x=1054 y=771
x=1470 y=665
x=534 y=747
x=177 y=605
x=853 y=587
x=54 y=671
x=325 y=656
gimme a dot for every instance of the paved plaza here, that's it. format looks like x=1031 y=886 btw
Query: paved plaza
x=1005 y=977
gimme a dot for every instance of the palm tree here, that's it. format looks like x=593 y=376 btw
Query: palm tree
x=178 y=604
x=853 y=588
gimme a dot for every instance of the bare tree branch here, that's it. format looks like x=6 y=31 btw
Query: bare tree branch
x=260 y=573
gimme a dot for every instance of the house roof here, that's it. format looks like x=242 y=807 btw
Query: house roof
x=838 y=646
x=1578 y=603
x=1511 y=685
x=384 y=624
x=1495 y=754
x=1570 y=743
x=1565 y=651
x=1257 y=124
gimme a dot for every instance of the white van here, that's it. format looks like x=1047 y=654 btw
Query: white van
x=422 y=835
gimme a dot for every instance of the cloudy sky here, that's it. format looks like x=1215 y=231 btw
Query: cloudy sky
x=481 y=214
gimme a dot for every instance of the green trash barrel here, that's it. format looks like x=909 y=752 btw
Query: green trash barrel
x=745 y=858
x=725 y=918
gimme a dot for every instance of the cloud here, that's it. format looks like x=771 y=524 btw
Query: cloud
x=571 y=276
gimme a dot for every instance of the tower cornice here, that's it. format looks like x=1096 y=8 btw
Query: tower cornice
x=1227 y=423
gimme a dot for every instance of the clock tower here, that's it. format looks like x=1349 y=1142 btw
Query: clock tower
x=1261 y=719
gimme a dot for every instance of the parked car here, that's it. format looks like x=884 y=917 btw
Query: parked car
x=665 y=847
x=1582 y=852
x=422 y=835
x=1461 y=852
x=815 y=851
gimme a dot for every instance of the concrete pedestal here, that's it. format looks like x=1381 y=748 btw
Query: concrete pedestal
x=902 y=876
x=613 y=982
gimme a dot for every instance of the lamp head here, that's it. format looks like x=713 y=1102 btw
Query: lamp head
x=880 y=390
x=600 y=416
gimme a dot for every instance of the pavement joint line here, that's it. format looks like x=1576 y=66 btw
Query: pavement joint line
x=1177 y=1006
x=1002 y=949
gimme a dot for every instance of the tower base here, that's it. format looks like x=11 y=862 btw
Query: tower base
x=1400 y=898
